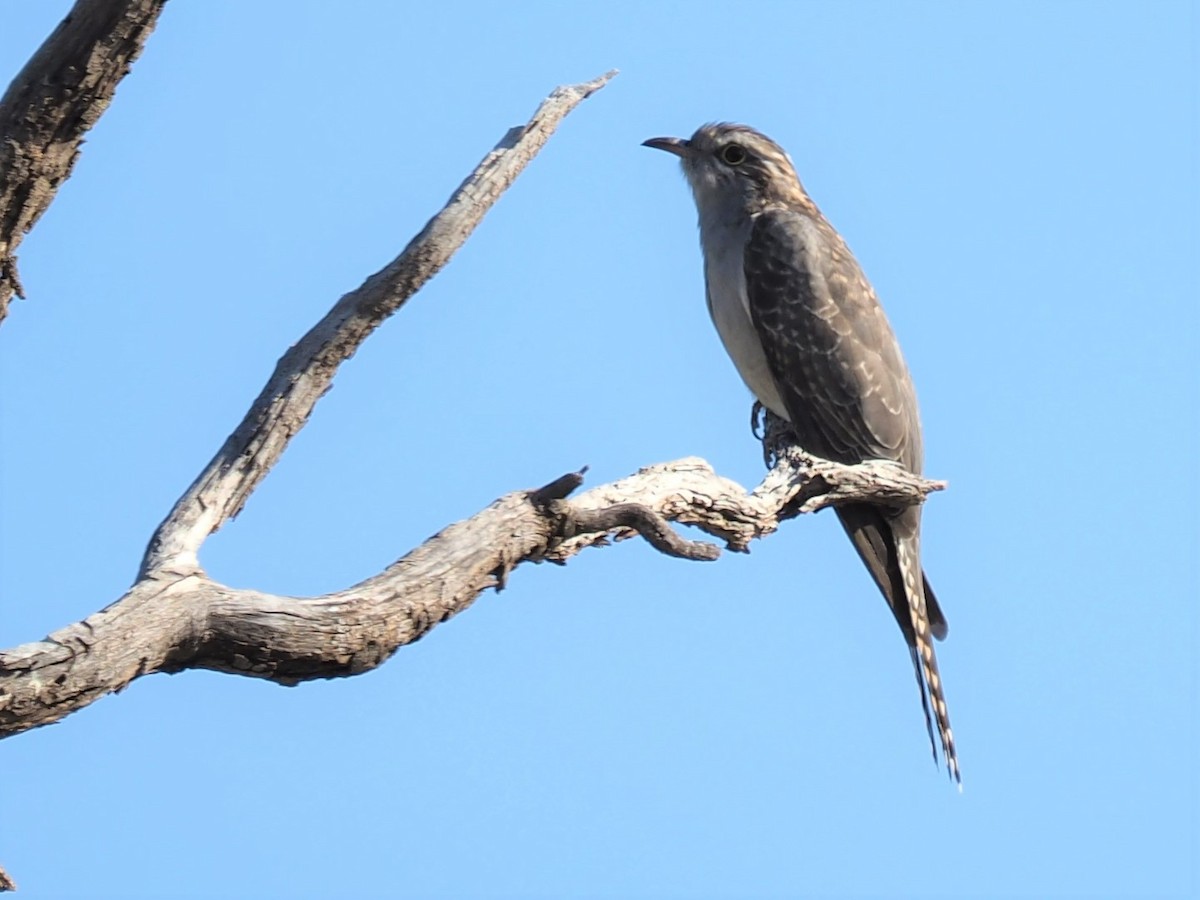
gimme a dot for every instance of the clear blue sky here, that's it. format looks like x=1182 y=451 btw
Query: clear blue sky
x=1019 y=180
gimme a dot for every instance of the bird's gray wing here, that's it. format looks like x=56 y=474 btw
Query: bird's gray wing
x=839 y=371
x=829 y=345
x=838 y=368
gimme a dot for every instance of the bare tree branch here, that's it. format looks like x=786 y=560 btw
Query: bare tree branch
x=174 y=617
x=305 y=372
x=169 y=622
x=60 y=94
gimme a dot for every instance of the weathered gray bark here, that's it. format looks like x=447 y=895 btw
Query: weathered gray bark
x=60 y=94
x=173 y=620
x=174 y=617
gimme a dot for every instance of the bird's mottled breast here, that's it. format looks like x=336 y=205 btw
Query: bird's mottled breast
x=729 y=307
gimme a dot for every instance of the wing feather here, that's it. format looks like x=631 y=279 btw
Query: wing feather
x=828 y=343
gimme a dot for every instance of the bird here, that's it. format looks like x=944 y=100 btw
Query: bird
x=810 y=340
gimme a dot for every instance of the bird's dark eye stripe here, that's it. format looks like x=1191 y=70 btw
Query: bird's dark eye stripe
x=733 y=154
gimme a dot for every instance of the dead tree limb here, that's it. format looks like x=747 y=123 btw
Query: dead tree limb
x=52 y=103
x=170 y=621
x=174 y=617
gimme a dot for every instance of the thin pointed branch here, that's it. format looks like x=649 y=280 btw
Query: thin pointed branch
x=306 y=371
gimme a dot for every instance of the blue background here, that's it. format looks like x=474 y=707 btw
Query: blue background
x=1019 y=180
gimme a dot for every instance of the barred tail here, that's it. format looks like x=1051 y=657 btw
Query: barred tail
x=929 y=680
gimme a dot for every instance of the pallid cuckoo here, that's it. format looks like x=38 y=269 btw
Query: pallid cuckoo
x=810 y=340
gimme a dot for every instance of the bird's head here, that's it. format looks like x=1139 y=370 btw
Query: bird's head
x=734 y=170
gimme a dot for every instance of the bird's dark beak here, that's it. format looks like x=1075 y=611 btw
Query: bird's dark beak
x=678 y=146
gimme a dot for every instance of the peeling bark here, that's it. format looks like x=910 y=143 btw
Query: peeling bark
x=52 y=103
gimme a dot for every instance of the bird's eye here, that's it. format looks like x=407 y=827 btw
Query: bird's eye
x=733 y=154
